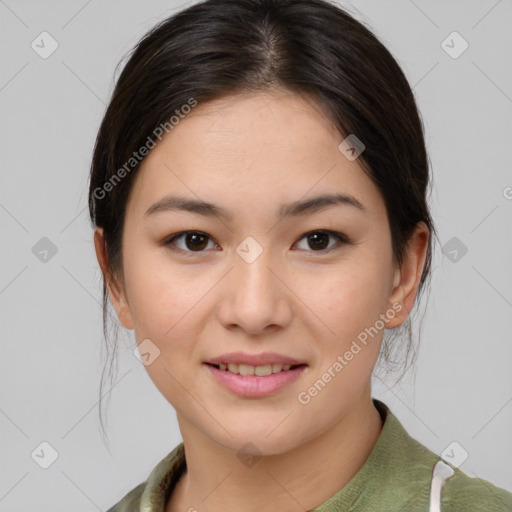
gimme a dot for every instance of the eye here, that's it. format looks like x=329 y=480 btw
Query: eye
x=197 y=241
x=319 y=238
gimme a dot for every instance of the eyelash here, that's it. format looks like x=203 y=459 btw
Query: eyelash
x=340 y=237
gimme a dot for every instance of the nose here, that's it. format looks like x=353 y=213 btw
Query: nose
x=255 y=296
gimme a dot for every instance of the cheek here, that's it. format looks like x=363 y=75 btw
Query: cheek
x=162 y=297
x=350 y=296
x=349 y=299
x=167 y=304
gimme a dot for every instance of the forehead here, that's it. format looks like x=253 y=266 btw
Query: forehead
x=253 y=148
x=262 y=126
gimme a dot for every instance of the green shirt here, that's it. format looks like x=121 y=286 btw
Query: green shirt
x=397 y=476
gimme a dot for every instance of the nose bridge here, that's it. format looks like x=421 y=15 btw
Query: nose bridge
x=255 y=296
x=253 y=274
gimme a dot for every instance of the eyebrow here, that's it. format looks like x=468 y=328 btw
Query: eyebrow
x=297 y=208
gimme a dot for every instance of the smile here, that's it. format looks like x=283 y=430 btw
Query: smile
x=260 y=371
x=250 y=381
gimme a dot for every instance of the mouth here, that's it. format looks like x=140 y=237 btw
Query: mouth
x=248 y=381
x=260 y=371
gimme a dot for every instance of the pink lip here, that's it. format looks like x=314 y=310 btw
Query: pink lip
x=253 y=385
x=254 y=359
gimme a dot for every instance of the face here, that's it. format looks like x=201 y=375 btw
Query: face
x=256 y=275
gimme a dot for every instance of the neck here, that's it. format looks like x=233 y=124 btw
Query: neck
x=216 y=480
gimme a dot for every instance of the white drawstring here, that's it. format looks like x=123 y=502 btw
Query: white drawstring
x=441 y=472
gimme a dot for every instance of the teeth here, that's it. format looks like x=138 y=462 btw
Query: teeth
x=244 y=369
x=261 y=371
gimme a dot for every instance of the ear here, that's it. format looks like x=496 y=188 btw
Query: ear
x=115 y=290
x=407 y=276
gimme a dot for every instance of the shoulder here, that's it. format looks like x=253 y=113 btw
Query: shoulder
x=407 y=469
x=151 y=494
x=462 y=492
x=131 y=501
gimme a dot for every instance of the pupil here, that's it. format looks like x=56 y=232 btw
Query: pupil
x=196 y=238
x=314 y=238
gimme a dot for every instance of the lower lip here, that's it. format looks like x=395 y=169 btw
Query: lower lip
x=254 y=385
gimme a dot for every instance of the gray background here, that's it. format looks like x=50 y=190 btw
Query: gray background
x=51 y=336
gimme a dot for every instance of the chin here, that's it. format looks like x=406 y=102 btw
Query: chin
x=257 y=442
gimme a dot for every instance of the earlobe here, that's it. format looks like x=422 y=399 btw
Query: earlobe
x=115 y=290
x=407 y=277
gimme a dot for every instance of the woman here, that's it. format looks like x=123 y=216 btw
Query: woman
x=258 y=191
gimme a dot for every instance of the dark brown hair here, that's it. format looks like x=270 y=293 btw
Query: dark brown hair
x=216 y=48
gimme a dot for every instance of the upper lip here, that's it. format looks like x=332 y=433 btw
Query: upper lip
x=254 y=359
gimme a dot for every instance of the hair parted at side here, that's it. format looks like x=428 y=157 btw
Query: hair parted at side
x=217 y=48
